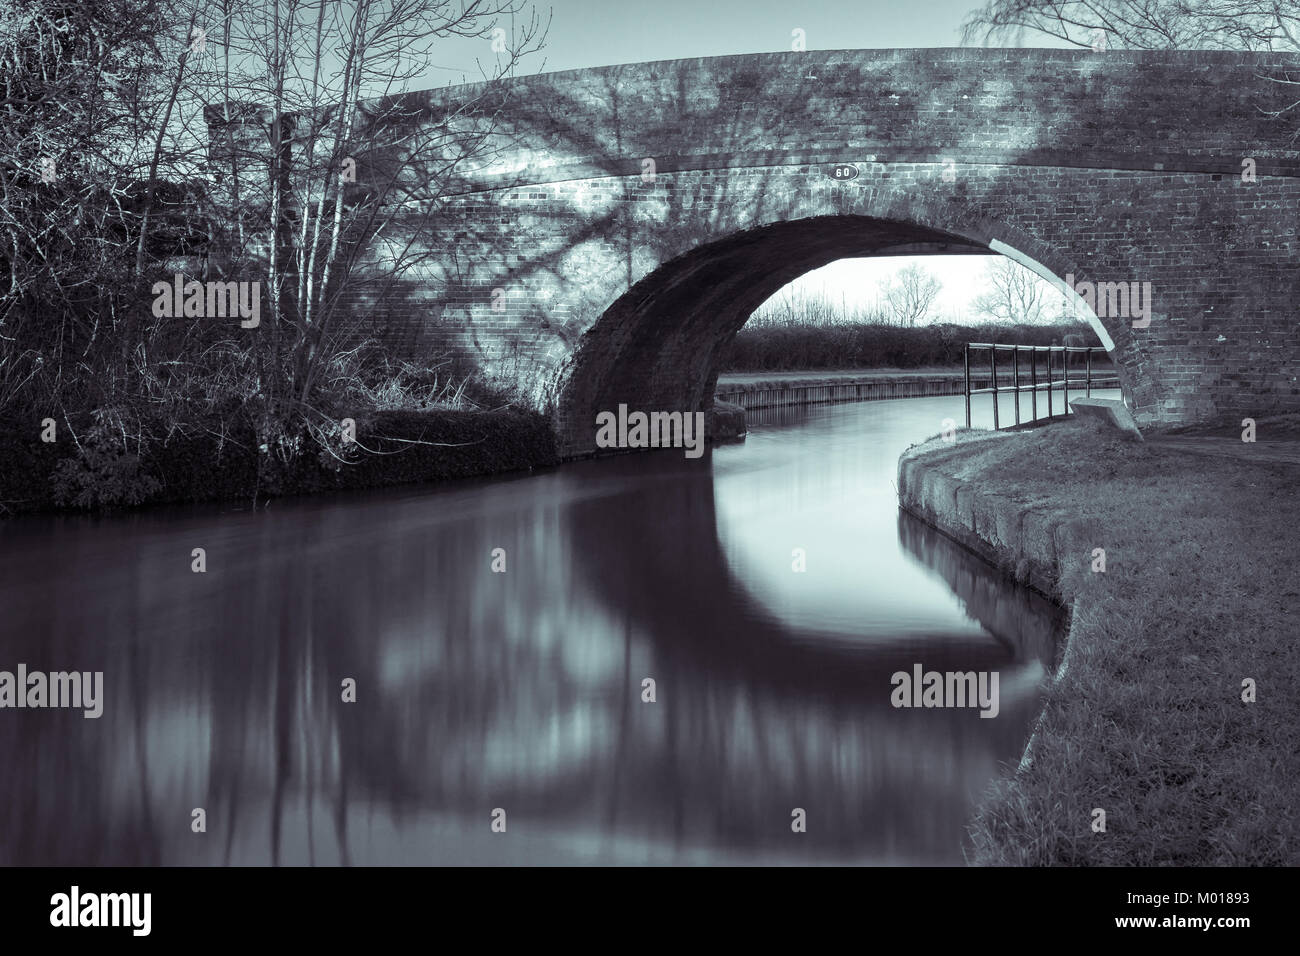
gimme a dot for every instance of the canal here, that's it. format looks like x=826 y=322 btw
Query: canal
x=519 y=699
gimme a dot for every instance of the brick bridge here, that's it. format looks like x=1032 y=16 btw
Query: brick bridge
x=632 y=217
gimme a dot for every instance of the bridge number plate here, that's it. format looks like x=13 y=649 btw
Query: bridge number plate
x=842 y=171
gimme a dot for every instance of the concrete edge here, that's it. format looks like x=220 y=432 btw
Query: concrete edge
x=1024 y=544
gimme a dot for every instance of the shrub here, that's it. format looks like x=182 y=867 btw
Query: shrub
x=104 y=472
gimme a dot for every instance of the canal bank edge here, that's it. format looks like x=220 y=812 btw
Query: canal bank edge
x=1023 y=543
x=216 y=459
x=1167 y=735
x=222 y=460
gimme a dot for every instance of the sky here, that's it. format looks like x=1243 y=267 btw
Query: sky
x=856 y=283
x=588 y=33
x=591 y=33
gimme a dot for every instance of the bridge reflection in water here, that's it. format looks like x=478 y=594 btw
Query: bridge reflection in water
x=522 y=690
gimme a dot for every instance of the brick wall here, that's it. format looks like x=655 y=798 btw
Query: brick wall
x=559 y=268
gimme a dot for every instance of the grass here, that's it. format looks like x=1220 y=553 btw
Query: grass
x=1147 y=722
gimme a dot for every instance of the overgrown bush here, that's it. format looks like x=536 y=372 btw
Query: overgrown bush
x=105 y=470
x=103 y=199
x=401 y=447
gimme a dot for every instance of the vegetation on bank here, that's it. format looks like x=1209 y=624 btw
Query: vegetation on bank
x=147 y=143
x=1148 y=721
x=797 y=343
x=91 y=466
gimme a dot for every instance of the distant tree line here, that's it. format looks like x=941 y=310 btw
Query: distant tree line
x=796 y=329
x=795 y=346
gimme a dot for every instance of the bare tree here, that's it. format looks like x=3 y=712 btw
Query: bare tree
x=346 y=169
x=324 y=174
x=910 y=293
x=77 y=83
x=1145 y=24
x=1015 y=294
x=1257 y=25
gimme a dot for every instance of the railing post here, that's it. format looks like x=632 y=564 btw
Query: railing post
x=1015 y=380
x=1051 y=385
x=966 y=355
x=993 y=369
x=1065 y=357
x=1033 y=381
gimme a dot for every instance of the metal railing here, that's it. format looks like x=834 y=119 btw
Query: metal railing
x=1034 y=386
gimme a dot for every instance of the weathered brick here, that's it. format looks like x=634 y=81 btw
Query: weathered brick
x=1122 y=166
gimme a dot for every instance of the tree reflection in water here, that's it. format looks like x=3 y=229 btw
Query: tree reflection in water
x=479 y=690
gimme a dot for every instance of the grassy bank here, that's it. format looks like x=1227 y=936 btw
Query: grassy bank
x=1147 y=721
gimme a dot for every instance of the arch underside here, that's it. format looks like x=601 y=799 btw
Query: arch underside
x=657 y=347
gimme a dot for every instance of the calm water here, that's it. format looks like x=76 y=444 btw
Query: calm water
x=522 y=691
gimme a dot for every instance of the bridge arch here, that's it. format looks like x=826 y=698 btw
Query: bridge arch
x=657 y=346
x=644 y=209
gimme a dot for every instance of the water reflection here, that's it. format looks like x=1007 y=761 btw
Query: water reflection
x=522 y=690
